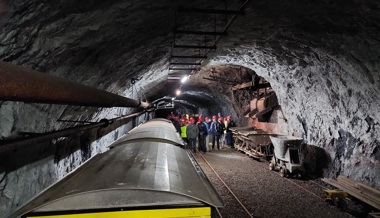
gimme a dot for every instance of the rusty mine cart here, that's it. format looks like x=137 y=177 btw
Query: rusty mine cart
x=286 y=155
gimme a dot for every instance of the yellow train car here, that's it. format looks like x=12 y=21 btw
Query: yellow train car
x=137 y=177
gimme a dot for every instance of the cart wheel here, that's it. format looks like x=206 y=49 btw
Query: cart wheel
x=271 y=166
x=283 y=172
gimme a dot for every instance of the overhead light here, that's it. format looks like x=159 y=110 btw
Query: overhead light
x=183 y=80
x=178 y=92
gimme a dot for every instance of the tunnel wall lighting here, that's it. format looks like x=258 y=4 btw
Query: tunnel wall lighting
x=174 y=78
x=183 y=80
x=178 y=92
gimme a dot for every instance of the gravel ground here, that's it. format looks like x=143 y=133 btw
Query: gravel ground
x=264 y=193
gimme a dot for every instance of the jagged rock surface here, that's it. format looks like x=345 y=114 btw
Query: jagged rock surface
x=325 y=74
x=322 y=58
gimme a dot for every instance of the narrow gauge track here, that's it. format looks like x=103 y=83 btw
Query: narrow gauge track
x=313 y=188
x=265 y=194
x=228 y=188
x=310 y=187
x=316 y=188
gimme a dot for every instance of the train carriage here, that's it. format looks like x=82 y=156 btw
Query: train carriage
x=136 y=178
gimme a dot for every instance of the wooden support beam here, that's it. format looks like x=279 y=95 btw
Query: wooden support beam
x=249 y=84
x=224 y=79
x=242 y=86
x=219 y=81
x=358 y=190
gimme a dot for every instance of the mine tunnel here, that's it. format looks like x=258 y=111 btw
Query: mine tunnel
x=76 y=76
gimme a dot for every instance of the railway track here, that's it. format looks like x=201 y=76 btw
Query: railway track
x=247 y=201
x=299 y=183
x=227 y=187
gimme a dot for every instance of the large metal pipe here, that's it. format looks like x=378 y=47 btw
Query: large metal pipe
x=22 y=84
x=19 y=143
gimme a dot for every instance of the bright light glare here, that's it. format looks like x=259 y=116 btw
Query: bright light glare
x=178 y=92
x=183 y=80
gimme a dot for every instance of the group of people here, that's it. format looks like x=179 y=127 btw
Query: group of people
x=202 y=130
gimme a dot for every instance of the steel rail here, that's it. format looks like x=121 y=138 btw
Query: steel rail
x=218 y=211
x=19 y=83
x=310 y=192
x=232 y=193
x=19 y=143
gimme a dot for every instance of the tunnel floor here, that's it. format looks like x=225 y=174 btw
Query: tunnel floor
x=264 y=193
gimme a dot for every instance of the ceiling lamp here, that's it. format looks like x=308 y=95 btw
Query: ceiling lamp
x=183 y=80
x=178 y=92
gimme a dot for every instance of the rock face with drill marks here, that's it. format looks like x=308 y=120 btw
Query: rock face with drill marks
x=322 y=58
x=326 y=77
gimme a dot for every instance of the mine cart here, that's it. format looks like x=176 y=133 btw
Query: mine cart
x=286 y=155
x=254 y=142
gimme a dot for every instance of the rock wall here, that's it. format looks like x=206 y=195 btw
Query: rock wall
x=322 y=58
x=19 y=185
x=91 y=43
x=329 y=93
